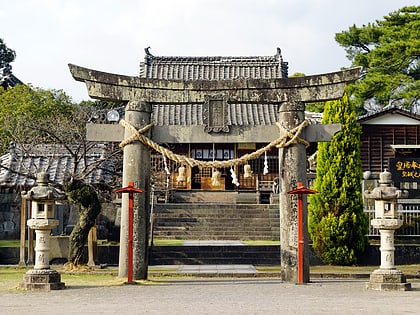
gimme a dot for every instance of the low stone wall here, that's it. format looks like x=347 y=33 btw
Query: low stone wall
x=404 y=254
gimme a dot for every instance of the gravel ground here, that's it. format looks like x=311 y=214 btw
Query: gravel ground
x=216 y=296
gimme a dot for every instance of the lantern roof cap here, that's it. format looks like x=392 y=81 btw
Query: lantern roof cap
x=43 y=190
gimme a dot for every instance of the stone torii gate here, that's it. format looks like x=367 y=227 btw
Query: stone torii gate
x=290 y=94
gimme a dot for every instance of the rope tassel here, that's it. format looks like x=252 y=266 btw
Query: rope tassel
x=234 y=178
x=265 y=171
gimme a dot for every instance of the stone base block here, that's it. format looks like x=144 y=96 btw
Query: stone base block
x=43 y=279
x=388 y=280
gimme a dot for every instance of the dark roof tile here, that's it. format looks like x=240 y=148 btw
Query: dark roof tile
x=19 y=167
x=213 y=68
x=192 y=114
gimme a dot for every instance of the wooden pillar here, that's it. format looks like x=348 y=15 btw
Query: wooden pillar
x=136 y=168
x=22 y=232
x=31 y=252
x=92 y=246
x=292 y=167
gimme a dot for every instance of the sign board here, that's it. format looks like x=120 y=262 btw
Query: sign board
x=405 y=169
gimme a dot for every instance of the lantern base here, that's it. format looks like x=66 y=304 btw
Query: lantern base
x=388 y=280
x=43 y=280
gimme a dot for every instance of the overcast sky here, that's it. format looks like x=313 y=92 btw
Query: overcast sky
x=110 y=35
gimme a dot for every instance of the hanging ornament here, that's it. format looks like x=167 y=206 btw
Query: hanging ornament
x=215 y=178
x=168 y=173
x=247 y=171
x=181 y=174
x=166 y=165
x=265 y=171
x=234 y=178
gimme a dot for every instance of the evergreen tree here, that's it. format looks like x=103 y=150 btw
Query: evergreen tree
x=7 y=55
x=389 y=52
x=337 y=223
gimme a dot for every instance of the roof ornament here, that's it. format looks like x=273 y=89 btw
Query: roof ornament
x=147 y=51
x=148 y=58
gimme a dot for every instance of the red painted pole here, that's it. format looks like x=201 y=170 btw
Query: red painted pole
x=130 y=189
x=300 y=191
x=300 y=239
x=130 y=237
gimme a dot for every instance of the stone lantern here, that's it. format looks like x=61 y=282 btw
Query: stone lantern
x=42 y=220
x=387 y=277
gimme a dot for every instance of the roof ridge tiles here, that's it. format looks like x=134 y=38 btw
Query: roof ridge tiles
x=214 y=58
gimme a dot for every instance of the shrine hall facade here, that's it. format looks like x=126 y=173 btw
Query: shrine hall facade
x=221 y=119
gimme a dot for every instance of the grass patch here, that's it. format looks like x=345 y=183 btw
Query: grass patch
x=11 y=277
x=11 y=243
x=167 y=242
x=156 y=242
x=406 y=269
x=274 y=269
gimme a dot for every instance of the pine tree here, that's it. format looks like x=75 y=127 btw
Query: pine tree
x=337 y=223
x=389 y=52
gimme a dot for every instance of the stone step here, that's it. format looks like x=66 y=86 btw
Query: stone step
x=177 y=235
x=217 y=221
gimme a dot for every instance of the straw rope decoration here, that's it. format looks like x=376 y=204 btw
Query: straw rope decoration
x=289 y=137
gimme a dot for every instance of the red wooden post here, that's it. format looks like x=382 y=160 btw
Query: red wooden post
x=130 y=189
x=300 y=190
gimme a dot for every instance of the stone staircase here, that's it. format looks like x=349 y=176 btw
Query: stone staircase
x=215 y=255
x=208 y=221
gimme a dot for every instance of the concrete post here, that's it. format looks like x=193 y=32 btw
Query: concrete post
x=136 y=168
x=292 y=167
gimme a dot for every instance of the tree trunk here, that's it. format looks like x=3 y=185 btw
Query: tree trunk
x=87 y=199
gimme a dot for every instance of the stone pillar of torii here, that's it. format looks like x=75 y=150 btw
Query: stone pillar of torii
x=290 y=94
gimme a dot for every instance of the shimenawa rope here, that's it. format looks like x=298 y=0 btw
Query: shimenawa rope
x=289 y=137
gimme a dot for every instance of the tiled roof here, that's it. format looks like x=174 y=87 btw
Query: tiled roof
x=19 y=167
x=210 y=68
x=192 y=114
x=388 y=110
x=9 y=80
x=213 y=68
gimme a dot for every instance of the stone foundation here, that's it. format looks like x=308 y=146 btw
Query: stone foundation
x=44 y=279
x=388 y=280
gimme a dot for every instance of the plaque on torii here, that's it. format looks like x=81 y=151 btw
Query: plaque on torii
x=290 y=94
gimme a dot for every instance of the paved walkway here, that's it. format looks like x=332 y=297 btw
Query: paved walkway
x=205 y=269
x=216 y=296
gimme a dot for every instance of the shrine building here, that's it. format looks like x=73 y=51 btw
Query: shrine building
x=230 y=124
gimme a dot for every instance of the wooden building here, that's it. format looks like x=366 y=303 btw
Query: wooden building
x=390 y=140
x=258 y=174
